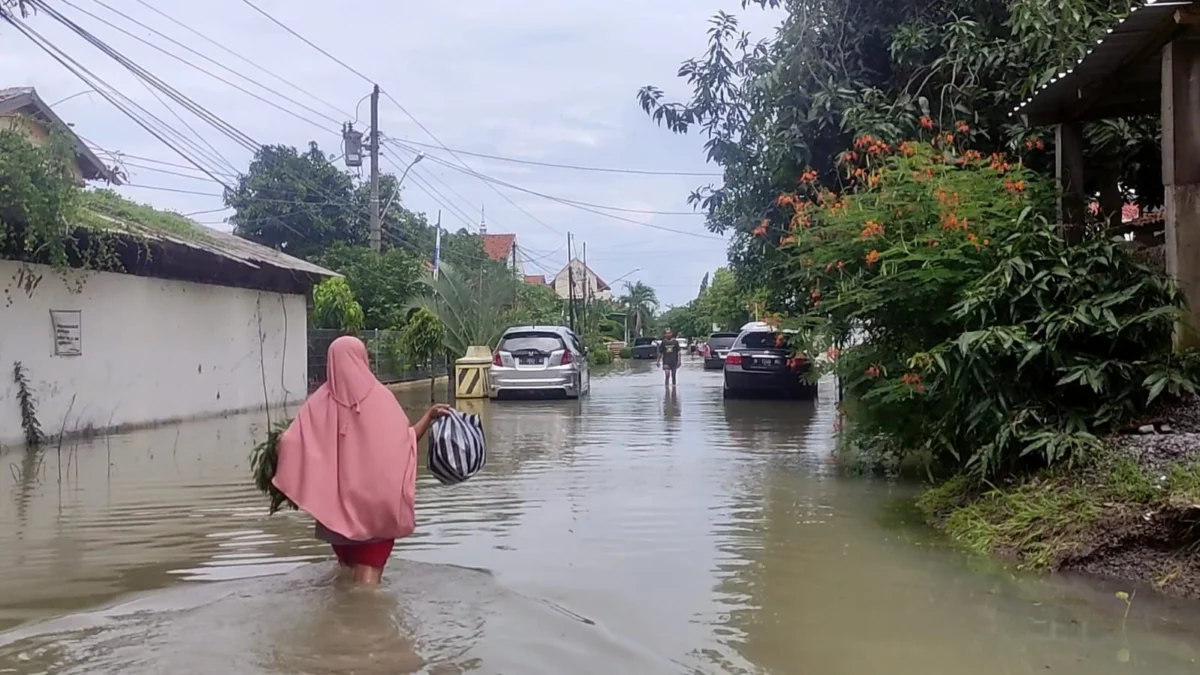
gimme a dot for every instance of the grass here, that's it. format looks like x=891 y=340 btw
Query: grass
x=1041 y=519
x=109 y=203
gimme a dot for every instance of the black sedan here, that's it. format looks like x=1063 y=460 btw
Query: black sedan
x=645 y=348
x=718 y=347
x=760 y=363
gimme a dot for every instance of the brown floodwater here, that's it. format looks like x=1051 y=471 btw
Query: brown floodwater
x=637 y=531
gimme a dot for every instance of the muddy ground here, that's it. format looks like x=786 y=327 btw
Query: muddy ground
x=1158 y=544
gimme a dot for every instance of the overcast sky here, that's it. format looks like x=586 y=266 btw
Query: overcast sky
x=553 y=81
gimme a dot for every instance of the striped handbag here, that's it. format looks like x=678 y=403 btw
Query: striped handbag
x=456 y=447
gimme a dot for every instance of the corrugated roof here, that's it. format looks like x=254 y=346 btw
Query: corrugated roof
x=26 y=100
x=223 y=244
x=1129 y=53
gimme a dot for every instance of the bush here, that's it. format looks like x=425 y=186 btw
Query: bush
x=978 y=335
x=598 y=354
x=334 y=307
x=626 y=353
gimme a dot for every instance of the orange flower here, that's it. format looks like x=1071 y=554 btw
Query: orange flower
x=872 y=229
x=841 y=266
x=808 y=177
x=962 y=127
x=833 y=353
x=926 y=123
x=872 y=257
x=787 y=240
x=873 y=371
x=761 y=230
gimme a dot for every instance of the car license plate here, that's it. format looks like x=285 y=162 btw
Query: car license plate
x=530 y=361
x=767 y=361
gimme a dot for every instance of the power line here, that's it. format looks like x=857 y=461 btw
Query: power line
x=577 y=205
x=282 y=25
x=399 y=105
x=238 y=56
x=203 y=70
x=107 y=91
x=572 y=167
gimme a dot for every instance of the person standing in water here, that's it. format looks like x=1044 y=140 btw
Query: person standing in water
x=668 y=357
x=349 y=459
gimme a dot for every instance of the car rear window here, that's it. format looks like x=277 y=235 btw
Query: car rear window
x=643 y=341
x=763 y=340
x=542 y=342
x=721 y=341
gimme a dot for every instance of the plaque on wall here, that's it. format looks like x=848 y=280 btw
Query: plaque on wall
x=68 y=335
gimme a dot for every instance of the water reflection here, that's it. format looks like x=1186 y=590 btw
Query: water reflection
x=639 y=530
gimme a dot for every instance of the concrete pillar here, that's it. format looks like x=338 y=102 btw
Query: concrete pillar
x=1068 y=168
x=1181 y=176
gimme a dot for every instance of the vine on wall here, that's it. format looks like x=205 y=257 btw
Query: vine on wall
x=42 y=214
x=29 y=420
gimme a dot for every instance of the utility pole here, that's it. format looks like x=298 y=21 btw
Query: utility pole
x=570 y=285
x=437 y=246
x=587 y=288
x=376 y=221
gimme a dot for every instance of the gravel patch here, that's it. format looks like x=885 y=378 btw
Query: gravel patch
x=1168 y=435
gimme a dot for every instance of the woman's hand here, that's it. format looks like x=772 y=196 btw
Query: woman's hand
x=435 y=411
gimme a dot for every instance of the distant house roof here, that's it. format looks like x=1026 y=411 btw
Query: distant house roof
x=499 y=247
x=535 y=279
x=185 y=250
x=25 y=101
x=601 y=285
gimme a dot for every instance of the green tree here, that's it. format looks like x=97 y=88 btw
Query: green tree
x=537 y=304
x=334 y=307
x=724 y=303
x=422 y=340
x=835 y=71
x=299 y=203
x=383 y=283
x=640 y=303
x=473 y=306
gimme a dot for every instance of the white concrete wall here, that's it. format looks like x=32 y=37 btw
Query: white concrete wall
x=152 y=350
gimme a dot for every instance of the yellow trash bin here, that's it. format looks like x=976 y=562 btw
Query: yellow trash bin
x=471 y=373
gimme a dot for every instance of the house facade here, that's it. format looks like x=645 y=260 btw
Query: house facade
x=195 y=323
x=587 y=283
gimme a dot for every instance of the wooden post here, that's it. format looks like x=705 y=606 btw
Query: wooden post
x=1181 y=176
x=1111 y=201
x=1068 y=168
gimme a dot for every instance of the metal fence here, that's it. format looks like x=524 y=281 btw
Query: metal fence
x=381 y=351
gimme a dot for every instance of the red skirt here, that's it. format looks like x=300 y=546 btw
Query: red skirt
x=374 y=554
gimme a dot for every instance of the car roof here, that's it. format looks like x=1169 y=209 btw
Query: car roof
x=724 y=335
x=561 y=330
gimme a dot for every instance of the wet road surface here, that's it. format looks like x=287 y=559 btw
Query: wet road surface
x=637 y=531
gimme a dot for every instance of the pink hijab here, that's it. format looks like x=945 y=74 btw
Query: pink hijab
x=349 y=458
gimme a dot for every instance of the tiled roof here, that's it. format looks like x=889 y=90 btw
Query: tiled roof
x=498 y=247
x=536 y=279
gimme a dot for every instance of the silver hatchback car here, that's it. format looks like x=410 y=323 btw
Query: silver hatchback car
x=540 y=359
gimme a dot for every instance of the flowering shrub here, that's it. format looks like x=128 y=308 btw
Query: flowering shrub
x=969 y=328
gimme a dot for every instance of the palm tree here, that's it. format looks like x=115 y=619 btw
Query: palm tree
x=473 y=306
x=640 y=301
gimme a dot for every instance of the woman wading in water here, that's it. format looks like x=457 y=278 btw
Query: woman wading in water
x=349 y=460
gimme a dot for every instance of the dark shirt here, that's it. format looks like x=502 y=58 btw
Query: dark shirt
x=670 y=352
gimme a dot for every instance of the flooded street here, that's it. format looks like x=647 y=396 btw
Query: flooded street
x=636 y=531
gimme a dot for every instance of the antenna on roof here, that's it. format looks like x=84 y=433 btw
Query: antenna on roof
x=482 y=220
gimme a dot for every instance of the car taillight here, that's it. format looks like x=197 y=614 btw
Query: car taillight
x=496 y=360
x=733 y=359
x=566 y=358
